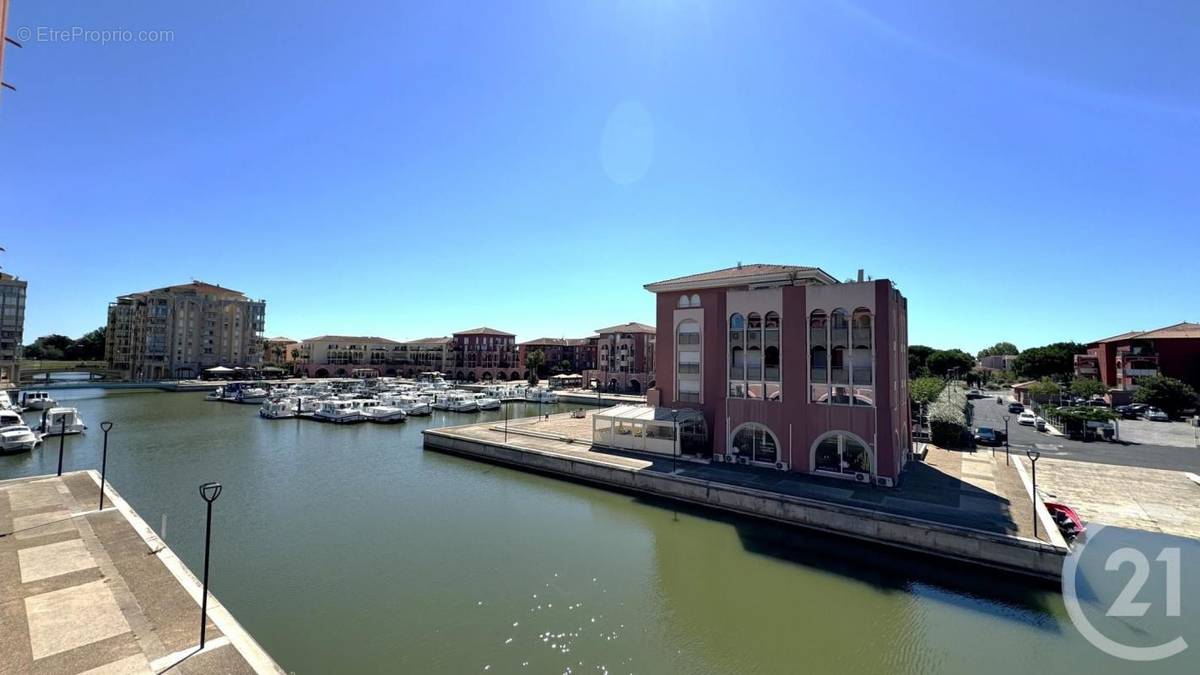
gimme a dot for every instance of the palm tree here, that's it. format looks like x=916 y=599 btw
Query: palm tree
x=534 y=361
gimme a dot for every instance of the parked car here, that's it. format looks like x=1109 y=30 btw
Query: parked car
x=1015 y=407
x=1098 y=403
x=988 y=436
x=1155 y=415
x=1027 y=418
x=974 y=393
x=1132 y=411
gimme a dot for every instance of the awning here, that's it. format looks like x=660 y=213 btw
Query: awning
x=218 y=369
x=643 y=413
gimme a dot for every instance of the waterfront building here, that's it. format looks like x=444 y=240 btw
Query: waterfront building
x=280 y=352
x=998 y=362
x=12 y=327
x=343 y=355
x=625 y=356
x=425 y=355
x=791 y=368
x=179 y=331
x=485 y=354
x=1121 y=361
x=562 y=355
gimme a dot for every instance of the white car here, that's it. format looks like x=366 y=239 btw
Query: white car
x=1027 y=418
x=1155 y=415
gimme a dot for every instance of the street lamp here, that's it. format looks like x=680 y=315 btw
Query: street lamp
x=209 y=492
x=1033 y=456
x=105 y=427
x=62 y=438
x=505 y=404
x=1006 y=418
x=674 y=438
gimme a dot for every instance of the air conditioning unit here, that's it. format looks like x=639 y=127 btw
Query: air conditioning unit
x=718 y=457
x=862 y=477
x=782 y=466
x=744 y=460
x=884 y=481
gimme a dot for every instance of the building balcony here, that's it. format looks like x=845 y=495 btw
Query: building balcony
x=1139 y=372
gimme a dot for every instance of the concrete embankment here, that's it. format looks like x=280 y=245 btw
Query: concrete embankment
x=574 y=460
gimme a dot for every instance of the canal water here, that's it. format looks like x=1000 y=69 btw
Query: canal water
x=349 y=549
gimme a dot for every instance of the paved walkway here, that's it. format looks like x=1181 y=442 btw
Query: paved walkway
x=975 y=490
x=83 y=591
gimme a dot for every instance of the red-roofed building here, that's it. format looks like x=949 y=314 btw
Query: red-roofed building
x=485 y=354
x=624 y=358
x=1122 y=360
x=562 y=355
x=790 y=368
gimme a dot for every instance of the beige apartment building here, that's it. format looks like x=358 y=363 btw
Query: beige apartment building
x=12 y=328
x=179 y=331
x=348 y=355
x=280 y=352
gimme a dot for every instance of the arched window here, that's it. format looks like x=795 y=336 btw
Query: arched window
x=819 y=363
x=689 y=333
x=818 y=328
x=753 y=321
x=862 y=328
x=684 y=302
x=737 y=363
x=839 y=325
x=842 y=453
x=695 y=300
x=737 y=322
x=772 y=320
x=756 y=442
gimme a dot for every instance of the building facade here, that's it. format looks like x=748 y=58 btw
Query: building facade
x=426 y=355
x=346 y=355
x=12 y=328
x=485 y=354
x=1121 y=361
x=280 y=352
x=625 y=357
x=562 y=355
x=790 y=368
x=179 y=331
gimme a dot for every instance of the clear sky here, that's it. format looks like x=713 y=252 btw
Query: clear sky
x=1026 y=171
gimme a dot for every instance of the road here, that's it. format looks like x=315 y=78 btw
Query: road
x=988 y=413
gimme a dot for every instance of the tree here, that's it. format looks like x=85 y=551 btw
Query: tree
x=54 y=347
x=925 y=389
x=1054 y=360
x=1087 y=387
x=1171 y=395
x=534 y=361
x=918 y=355
x=947 y=361
x=1043 y=390
x=999 y=349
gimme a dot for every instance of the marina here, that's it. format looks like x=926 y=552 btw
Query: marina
x=350 y=549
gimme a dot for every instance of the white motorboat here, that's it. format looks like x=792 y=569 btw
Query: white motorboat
x=5 y=402
x=462 y=402
x=412 y=405
x=36 y=400
x=307 y=404
x=383 y=414
x=540 y=395
x=59 y=421
x=216 y=394
x=278 y=409
x=251 y=395
x=340 y=411
x=11 y=418
x=485 y=402
x=18 y=438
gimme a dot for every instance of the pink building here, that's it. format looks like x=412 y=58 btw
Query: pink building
x=485 y=354
x=790 y=368
x=624 y=358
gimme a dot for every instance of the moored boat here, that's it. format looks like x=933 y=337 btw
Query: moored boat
x=18 y=438
x=36 y=400
x=59 y=421
x=339 y=412
x=251 y=395
x=277 y=409
x=383 y=414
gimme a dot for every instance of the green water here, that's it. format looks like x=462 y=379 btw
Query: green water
x=349 y=549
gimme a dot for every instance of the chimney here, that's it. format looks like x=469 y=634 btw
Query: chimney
x=860 y=276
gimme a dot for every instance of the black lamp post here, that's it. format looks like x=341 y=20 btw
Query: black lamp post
x=674 y=438
x=209 y=492
x=105 y=427
x=1006 y=418
x=1033 y=458
x=505 y=404
x=62 y=438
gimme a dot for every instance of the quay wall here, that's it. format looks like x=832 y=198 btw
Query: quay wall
x=1009 y=553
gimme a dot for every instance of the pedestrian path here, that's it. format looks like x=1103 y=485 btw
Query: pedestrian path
x=83 y=591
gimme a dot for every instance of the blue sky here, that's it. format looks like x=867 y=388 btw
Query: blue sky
x=1023 y=171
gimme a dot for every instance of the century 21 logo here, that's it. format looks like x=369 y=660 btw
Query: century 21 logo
x=1106 y=594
